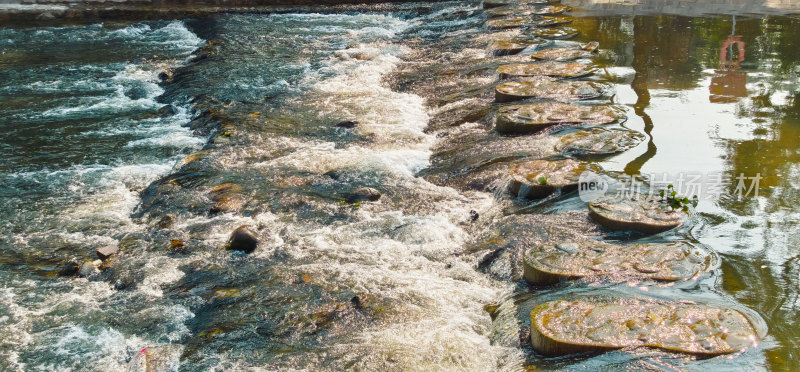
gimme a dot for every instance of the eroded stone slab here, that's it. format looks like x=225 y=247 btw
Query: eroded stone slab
x=514 y=45
x=539 y=178
x=549 y=68
x=497 y=3
x=566 y=327
x=641 y=213
x=564 y=54
x=598 y=142
x=531 y=118
x=582 y=258
x=549 y=88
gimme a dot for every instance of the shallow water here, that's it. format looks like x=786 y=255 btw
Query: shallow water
x=401 y=283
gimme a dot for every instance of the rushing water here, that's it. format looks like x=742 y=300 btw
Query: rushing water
x=421 y=278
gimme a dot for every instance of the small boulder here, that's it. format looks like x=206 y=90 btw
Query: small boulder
x=166 y=222
x=243 y=240
x=70 y=268
x=107 y=251
x=167 y=110
x=363 y=194
x=87 y=269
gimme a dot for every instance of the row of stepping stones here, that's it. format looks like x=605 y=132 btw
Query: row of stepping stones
x=565 y=327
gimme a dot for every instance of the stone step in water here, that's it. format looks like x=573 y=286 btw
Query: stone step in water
x=548 y=88
x=641 y=213
x=548 y=68
x=598 y=142
x=567 y=327
x=539 y=178
x=488 y=4
x=527 y=10
x=564 y=54
x=577 y=258
x=554 y=33
x=527 y=21
x=532 y=118
x=503 y=46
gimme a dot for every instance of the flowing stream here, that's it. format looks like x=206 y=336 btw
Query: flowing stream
x=110 y=130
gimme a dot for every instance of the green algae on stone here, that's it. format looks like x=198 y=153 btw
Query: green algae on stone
x=598 y=142
x=567 y=327
x=531 y=118
x=539 y=178
x=549 y=68
x=583 y=258
x=553 y=33
x=514 y=45
x=549 y=88
x=640 y=213
x=527 y=21
x=523 y=10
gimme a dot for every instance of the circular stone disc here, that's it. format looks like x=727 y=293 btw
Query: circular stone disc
x=598 y=142
x=553 y=32
x=496 y=3
x=544 y=87
x=562 y=54
x=549 y=68
x=522 y=119
x=517 y=10
x=527 y=21
x=565 y=327
x=641 y=214
x=539 y=178
x=514 y=45
x=553 y=261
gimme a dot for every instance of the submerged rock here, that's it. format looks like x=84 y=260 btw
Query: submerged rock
x=549 y=68
x=598 y=142
x=167 y=110
x=166 y=222
x=363 y=194
x=522 y=10
x=566 y=327
x=641 y=213
x=226 y=198
x=522 y=119
x=529 y=21
x=243 y=240
x=553 y=33
x=545 y=87
x=347 y=124
x=539 y=178
x=571 y=259
x=514 y=45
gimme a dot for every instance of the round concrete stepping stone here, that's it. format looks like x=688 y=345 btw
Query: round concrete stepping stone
x=527 y=21
x=549 y=68
x=539 y=178
x=598 y=142
x=567 y=327
x=642 y=213
x=514 y=45
x=553 y=33
x=565 y=53
x=524 y=10
x=549 y=88
x=487 y=4
x=555 y=261
x=531 y=118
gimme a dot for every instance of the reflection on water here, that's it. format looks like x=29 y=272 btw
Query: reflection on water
x=711 y=109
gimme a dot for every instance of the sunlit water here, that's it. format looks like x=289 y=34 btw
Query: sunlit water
x=402 y=283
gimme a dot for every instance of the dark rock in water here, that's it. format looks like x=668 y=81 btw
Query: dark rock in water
x=166 y=222
x=167 y=110
x=70 y=268
x=347 y=124
x=87 y=268
x=107 y=251
x=163 y=76
x=363 y=194
x=136 y=93
x=473 y=216
x=243 y=240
